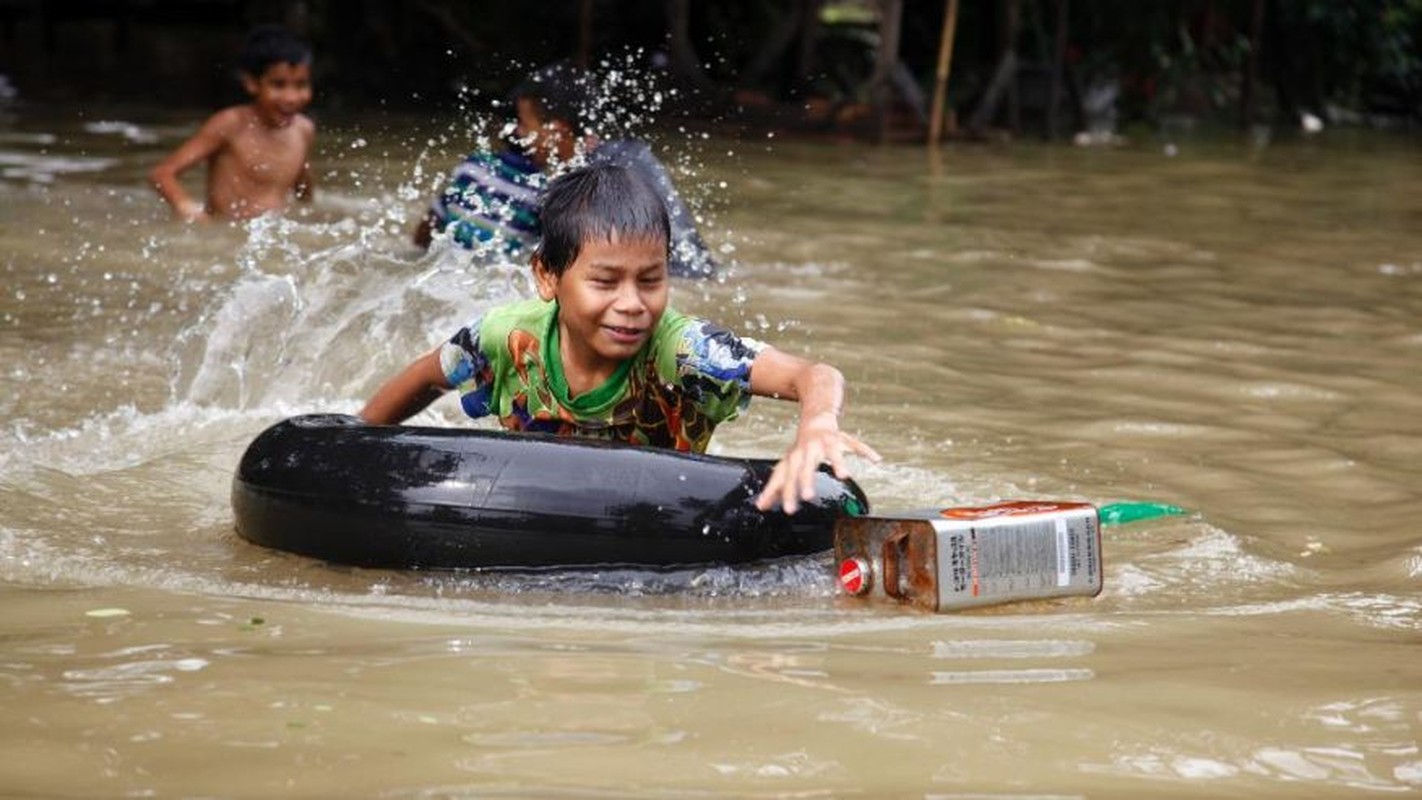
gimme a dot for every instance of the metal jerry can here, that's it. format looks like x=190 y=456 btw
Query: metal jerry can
x=967 y=557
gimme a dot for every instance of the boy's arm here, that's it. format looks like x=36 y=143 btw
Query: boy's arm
x=424 y=232
x=210 y=138
x=408 y=393
x=305 y=188
x=819 y=388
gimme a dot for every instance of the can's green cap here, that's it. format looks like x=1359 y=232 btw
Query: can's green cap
x=1123 y=513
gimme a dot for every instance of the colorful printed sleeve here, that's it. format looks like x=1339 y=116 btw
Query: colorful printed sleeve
x=713 y=365
x=467 y=370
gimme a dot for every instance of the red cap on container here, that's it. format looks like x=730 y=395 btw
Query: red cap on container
x=854 y=575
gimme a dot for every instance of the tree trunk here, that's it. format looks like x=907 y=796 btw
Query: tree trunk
x=890 y=19
x=1281 y=45
x=1004 y=79
x=1054 y=95
x=809 y=37
x=1248 y=101
x=774 y=45
x=1012 y=13
x=685 y=64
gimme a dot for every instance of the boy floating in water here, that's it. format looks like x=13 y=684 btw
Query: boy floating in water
x=600 y=353
x=491 y=201
x=258 y=153
x=490 y=204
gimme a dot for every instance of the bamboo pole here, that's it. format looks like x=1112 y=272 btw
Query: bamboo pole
x=945 y=63
x=585 y=34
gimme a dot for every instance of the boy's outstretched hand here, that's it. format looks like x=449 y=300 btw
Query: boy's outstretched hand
x=818 y=440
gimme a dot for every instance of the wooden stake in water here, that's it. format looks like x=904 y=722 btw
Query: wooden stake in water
x=945 y=63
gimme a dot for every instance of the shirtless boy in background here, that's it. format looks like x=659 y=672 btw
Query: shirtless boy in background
x=258 y=153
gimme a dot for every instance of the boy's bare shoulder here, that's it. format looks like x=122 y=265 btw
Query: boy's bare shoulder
x=229 y=120
x=305 y=126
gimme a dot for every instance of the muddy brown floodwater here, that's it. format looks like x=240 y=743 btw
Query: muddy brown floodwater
x=1233 y=329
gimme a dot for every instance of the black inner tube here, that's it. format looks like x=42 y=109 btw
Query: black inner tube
x=333 y=487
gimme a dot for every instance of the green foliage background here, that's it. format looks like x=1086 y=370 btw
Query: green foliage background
x=1345 y=60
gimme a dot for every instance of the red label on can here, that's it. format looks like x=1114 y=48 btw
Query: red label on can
x=1011 y=509
x=854 y=575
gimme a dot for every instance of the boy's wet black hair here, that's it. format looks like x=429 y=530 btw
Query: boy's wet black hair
x=562 y=90
x=597 y=202
x=271 y=44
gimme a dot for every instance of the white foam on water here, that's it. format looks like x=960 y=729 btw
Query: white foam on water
x=1381 y=610
x=1011 y=676
x=740 y=618
x=126 y=130
x=45 y=168
x=1012 y=648
x=1209 y=559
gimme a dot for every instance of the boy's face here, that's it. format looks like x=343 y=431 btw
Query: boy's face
x=281 y=92
x=609 y=301
x=544 y=138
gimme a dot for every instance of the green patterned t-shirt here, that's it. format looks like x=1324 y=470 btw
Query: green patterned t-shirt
x=690 y=376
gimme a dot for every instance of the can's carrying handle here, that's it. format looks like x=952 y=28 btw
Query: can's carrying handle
x=894 y=546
